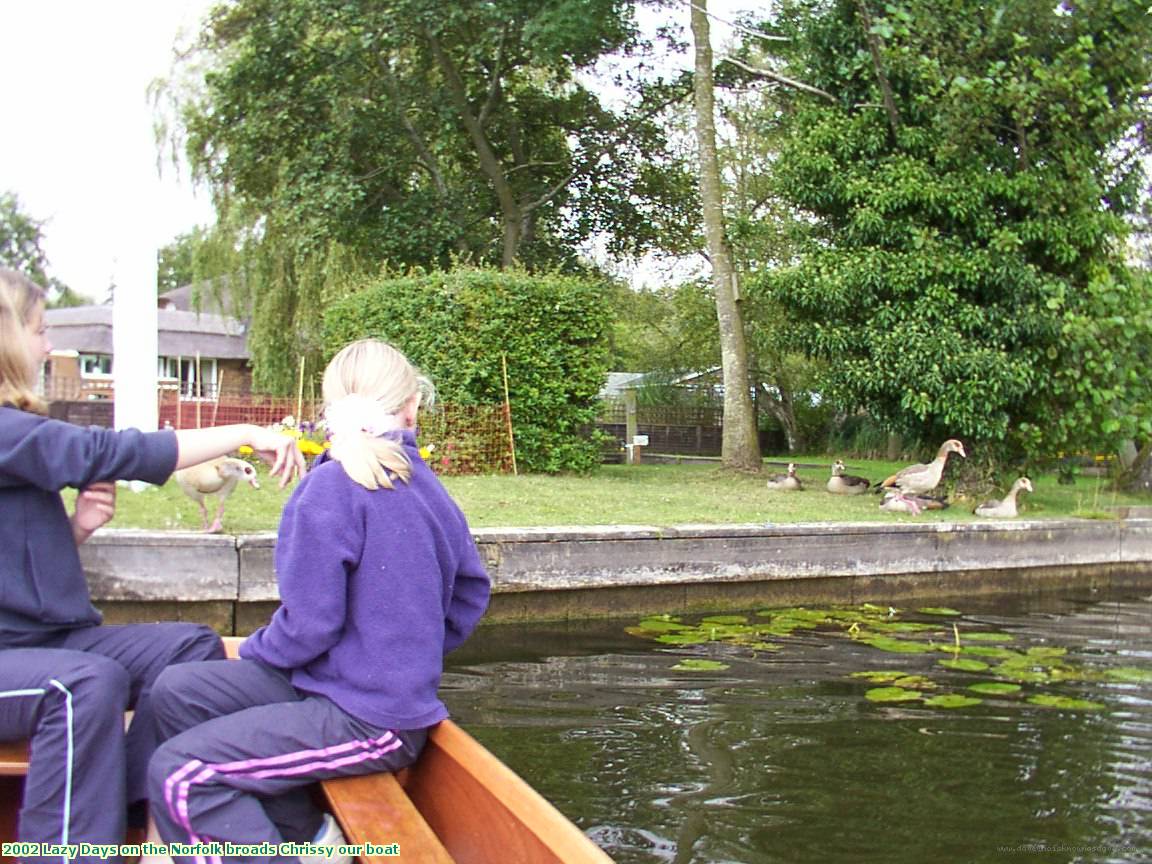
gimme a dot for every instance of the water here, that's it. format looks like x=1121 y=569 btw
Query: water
x=782 y=758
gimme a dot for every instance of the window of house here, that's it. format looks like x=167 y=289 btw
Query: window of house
x=197 y=377
x=95 y=365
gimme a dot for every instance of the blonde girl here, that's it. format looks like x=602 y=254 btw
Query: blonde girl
x=379 y=578
x=65 y=679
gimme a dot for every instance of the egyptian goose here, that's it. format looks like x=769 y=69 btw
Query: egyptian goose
x=898 y=502
x=788 y=482
x=918 y=479
x=846 y=484
x=1005 y=508
x=215 y=477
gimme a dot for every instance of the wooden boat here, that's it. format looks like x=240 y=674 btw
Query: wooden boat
x=458 y=803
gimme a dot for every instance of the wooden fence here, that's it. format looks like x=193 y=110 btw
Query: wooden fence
x=462 y=439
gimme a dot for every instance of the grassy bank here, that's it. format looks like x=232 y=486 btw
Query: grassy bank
x=637 y=495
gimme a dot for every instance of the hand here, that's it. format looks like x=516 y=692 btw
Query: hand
x=95 y=506
x=280 y=452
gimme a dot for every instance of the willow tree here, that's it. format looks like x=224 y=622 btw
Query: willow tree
x=413 y=133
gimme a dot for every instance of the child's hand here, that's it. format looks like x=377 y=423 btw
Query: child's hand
x=95 y=506
x=280 y=452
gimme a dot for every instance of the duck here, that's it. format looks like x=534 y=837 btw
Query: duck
x=919 y=479
x=215 y=477
x=788 y=482
x=898 y=502
x=1006 y=507
x=846 y=484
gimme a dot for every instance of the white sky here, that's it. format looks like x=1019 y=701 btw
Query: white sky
x=78 y=148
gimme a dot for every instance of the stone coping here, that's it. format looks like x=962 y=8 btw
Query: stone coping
x=140 y=566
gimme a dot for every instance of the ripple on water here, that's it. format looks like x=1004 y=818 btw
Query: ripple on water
x=780 y=758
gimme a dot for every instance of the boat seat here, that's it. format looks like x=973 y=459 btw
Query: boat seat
x=14 y=759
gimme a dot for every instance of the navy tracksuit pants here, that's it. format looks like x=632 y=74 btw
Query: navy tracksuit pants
x=242 y=748
x=68 y=693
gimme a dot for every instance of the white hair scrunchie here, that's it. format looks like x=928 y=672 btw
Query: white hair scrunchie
x=355 y=413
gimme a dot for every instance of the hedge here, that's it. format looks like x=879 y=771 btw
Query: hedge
x=551 y=328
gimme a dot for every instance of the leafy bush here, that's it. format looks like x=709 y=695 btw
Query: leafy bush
x=456 y=325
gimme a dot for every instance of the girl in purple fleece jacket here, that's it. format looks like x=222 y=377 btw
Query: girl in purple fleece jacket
x=379 y=578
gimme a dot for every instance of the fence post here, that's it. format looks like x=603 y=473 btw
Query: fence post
x=630 y=425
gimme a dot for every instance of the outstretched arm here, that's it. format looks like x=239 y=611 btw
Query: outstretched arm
x=278 y=451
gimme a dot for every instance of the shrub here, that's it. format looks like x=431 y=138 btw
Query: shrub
x=551 y=328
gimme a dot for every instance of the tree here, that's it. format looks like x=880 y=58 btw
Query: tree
x=740 y=448
x=414 y=133
x=21 y=237
x=176 y=262
x=963 y=270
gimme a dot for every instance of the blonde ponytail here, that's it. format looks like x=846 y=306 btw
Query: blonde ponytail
x=367 y=386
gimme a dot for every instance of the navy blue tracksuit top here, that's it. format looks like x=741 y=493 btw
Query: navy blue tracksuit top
x=42 y=586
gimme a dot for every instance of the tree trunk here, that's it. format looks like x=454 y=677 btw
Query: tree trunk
x=784 y=410
x=511 y=212
x=741 y=446
x=1138 y=478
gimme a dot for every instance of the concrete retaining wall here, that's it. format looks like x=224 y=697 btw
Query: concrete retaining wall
x=622 y=570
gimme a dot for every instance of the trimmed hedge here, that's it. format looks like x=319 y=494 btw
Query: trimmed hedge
x=455 y=326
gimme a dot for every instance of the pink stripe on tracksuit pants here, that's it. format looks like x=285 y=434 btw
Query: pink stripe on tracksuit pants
x=241 y=747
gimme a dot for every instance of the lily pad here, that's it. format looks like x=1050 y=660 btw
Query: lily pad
x=1130 y=674
x=1050 y=700
x=939 y=610
x=903 y=627
x=988 y=637
x=1043 y=653
x=915 y=682
x=762 y=646
x=696 y=665
x=892 y=694
x=965 y=665
x=662 y=624
x=952 y=700
x=897 y=646
x=983 y=651
x=692 y=637
x=724 y=619
x=994 y=688
x=879 y=675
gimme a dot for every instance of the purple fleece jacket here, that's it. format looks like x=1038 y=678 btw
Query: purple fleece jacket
x=375 y=588
x=42 y=586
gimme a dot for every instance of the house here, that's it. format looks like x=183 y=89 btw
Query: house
x=201 y=355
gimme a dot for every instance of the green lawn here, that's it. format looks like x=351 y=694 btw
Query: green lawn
x=635 y=495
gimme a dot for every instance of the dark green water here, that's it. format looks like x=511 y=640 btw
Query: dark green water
x=782 y=758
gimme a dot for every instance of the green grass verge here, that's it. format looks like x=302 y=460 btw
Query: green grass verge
x=633 y=495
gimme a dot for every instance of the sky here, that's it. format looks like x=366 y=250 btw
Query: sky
x=78 y=149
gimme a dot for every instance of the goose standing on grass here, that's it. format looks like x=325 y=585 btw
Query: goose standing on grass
x=846 y=484
x=217 y=477
x=921 y=479
x=1006 y=507
x=788 y=482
